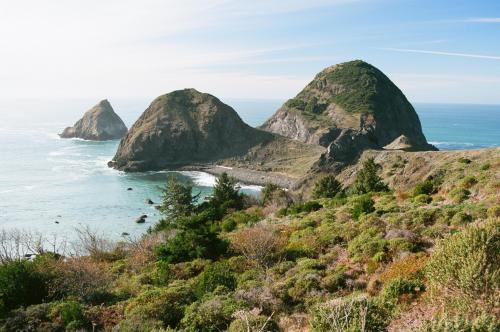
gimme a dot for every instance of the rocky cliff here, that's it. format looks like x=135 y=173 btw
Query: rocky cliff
x=185 y=127
x=348 y=108
x=99 y=123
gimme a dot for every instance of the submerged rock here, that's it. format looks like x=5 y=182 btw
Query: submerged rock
x=185 y=127
x=100 y=123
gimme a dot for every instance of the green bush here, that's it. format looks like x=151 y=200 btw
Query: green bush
x=461 y=218
x=327 y=187
x=351 y=314
x=309 y=206
x=361 y=205
x=399 y=286
x=215 y=275
x=20 y=285
x=464 y=269
x=483 y=323
x=423 y=188
x=165 y=305
x=468 y=182
x=485 y=167
x=32 y=318
x=458 y=195
x=493 y=211
x=422 y=199
x=367 y=244
x=463 y=160
x=70 y=314
x=296 y=103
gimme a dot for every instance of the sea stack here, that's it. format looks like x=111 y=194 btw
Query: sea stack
x=100 y=123
x=348 y=108
x=185 y=127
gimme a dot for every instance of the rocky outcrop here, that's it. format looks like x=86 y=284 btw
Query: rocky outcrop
x=349 y=108
x=100 y=123
x=185 y=127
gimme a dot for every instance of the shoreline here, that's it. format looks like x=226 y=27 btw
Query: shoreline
x=243 y=175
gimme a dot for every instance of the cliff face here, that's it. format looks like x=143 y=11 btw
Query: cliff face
x=348 y=108
x=185 y=127
x=99 y=123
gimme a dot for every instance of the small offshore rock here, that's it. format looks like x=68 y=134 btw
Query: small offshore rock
x=100 y=123
x=149 y=201
x=129 y=189
x=125 y=234
x=140 y=220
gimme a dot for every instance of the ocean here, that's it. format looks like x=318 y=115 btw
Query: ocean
x=55 y=185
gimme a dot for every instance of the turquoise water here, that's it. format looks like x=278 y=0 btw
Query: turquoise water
x=44 y=179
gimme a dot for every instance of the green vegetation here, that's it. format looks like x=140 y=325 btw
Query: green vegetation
x=327 y=187
x=365 y=88
x=360 y=259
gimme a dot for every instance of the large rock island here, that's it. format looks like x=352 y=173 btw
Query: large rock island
x=349 y=108
x=100 y=123
x=185 y=127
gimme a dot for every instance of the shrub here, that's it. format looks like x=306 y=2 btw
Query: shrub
x=464 y=270
x=70 y=314
x=215 y=275
x=160 y=305
x=485 y=167
x=187 y=245
x=423 y=188
x=483 y=323
x=360 y=205
x=367 y=179
x=493 y=211
x=20 y=285
x=410 y=267
x=422 y=199
x=81 y=278
x=351 y=314
x=327 y=187
x=461 y=218
x=399 y=286
x=367 y=244
x=211 y=314
x=468 y=182
x=252 y=321
x=296 y=103
x=259 y=244
x=463 y=160
x=458 y=195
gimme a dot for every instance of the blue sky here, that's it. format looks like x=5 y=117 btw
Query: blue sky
x=436 y=51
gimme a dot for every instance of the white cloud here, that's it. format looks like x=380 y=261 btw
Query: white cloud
x=483 y=20
x=465 y=55
x=129 y=47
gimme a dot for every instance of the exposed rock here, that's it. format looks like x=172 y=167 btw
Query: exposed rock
x=140 y=220
x=125 y=234
x=185 y=127
x=144 y=216
x=349 y=108
x=149 y=201
x=400 y=143
x=129 y=189
x=100 y=123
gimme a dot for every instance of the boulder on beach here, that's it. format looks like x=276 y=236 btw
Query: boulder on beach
x=100 y=123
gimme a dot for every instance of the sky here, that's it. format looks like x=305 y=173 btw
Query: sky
x=436 y=51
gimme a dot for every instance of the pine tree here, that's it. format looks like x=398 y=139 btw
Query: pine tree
x=327 y=187
x=178 y=200
x=367 y=179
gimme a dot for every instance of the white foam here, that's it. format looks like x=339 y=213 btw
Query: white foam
x=200 y=178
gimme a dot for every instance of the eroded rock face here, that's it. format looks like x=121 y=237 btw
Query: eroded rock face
x=185 y=127
x=348 y=108
x=100 y=123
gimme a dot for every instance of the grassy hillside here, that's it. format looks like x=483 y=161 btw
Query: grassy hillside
x=377 y=253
